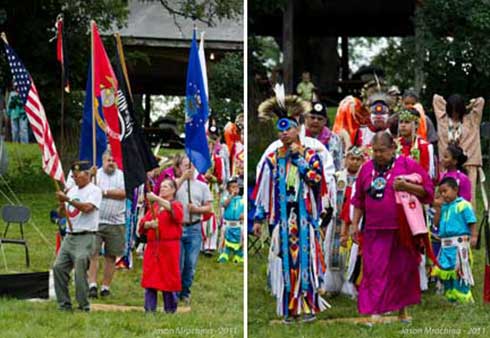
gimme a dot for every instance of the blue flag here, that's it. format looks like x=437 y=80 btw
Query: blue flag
x=196 y=113
x=86 y=144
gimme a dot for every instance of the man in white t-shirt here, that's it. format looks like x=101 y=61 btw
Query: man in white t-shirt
x=111 y=231
x=82 y=203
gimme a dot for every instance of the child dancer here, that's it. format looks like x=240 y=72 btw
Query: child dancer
x=457 y=230
x=231 y=241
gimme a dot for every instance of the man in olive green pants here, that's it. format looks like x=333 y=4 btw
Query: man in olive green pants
x=82 y=203
x=76 y=253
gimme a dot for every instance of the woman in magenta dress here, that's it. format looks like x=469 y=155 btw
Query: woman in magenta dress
x=161 y=271
x=390 y=278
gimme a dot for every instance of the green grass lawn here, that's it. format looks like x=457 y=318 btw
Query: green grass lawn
x=217 y=292
x=434 y=312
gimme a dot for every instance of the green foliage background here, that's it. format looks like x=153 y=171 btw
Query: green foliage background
x=453 y=37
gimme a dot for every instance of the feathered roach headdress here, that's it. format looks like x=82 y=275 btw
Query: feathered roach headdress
x=282 y=106
x=375 y=90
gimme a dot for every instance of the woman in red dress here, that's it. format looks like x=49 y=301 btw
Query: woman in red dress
x=161 y=271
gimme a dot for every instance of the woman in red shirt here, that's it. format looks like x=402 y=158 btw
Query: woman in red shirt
x=161 y=271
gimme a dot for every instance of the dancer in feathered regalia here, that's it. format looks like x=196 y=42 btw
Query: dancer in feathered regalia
x=291 y=194
x=360 y=120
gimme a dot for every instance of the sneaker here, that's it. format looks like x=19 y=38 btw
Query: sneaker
x=308 y=318
x=105 y=293
x=405 y=319
x=237 y=259
x=92 y=292
x=223 y=258
x=288 y=320
x=186 y=301
x=84 y=309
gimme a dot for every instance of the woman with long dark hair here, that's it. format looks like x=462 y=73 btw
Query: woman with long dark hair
x=460 y=125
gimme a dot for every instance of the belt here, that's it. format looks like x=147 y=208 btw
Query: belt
x=232 y=223
x=82 y=233
x=188 y=224
x=454 y=241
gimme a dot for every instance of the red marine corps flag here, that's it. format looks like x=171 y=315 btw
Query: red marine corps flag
x=105 y=88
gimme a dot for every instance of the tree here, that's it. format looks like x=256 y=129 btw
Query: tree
x=453 y=37
x=226 y=88
x=206 y=11
x=29 y=26
x=398 y=62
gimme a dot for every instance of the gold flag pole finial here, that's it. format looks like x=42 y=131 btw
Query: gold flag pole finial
x=4 y=37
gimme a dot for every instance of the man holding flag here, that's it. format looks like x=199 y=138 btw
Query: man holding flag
x=82 y=204
x=194 y=195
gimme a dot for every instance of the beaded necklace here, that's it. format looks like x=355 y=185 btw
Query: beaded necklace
x=380 y=178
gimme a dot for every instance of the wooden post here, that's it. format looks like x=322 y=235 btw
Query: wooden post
x=61 y=150
x=92 y=66
x=62 y=122
x=287 y=46
x=345 y=58
x=147 y=110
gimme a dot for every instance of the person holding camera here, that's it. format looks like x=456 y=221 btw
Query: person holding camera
x=390 y=258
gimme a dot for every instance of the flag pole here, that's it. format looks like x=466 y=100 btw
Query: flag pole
x=190 y=154
x=62 y=122
x=92 y=69
x=123 y=62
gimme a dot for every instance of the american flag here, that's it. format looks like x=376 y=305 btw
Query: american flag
x=35 y=113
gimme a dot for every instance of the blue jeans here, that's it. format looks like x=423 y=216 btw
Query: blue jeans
x=20 y=129
x=190 y=246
